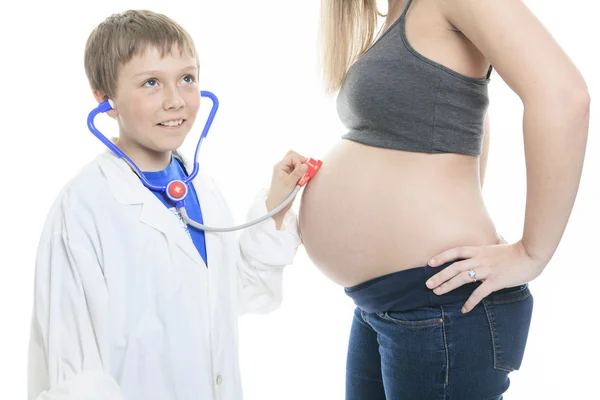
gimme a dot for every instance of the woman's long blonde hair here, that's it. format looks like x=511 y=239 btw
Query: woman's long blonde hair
x=347 y=29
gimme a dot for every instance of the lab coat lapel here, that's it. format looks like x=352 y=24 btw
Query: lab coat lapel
x=128 y=189
x=155 y=214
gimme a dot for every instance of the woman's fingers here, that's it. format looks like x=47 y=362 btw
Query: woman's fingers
x=453 y=254
x=450 y=272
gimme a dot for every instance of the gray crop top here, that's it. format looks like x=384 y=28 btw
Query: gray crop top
x=394 y=97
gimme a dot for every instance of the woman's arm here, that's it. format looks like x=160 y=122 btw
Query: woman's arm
x=555 y=127
x=556 y=109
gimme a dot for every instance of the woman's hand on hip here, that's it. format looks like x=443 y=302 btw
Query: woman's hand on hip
x=497 y=266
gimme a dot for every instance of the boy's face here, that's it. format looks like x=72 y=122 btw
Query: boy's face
x=157 y=100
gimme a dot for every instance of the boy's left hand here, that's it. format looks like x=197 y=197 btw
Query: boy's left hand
x=286 y=174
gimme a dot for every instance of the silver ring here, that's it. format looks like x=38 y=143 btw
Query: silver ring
x=472 y=275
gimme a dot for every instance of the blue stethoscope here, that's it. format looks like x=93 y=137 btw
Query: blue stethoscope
x=177 y=190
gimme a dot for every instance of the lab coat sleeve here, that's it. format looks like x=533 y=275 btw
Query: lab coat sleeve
x=66 y=359
x=264 y=252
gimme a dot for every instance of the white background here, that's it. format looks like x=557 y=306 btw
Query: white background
x=260 y=58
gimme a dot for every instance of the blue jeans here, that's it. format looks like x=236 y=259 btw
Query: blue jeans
x=436 y=352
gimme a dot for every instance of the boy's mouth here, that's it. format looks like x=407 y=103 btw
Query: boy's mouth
x=172 y=123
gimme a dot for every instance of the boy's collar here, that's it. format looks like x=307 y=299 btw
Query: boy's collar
x=125 y=186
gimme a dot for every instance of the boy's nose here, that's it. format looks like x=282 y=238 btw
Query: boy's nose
x=172 y=100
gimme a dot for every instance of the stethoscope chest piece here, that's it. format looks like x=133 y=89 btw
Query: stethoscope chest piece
x=176 y=191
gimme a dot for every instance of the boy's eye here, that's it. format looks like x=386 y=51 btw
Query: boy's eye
x=188 y=79
x=150 y=83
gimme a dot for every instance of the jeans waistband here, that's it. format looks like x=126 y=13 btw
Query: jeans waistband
x=405 y=290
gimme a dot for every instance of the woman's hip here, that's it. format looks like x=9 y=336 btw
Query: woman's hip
x=440 y=351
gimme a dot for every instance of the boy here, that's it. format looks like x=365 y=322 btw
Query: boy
x=129 y=304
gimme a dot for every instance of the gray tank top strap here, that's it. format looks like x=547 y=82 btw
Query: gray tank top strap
x=489 y=73
x=405 y=9
x=382 y=33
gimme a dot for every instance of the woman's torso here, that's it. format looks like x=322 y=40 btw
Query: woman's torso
x=373 y=210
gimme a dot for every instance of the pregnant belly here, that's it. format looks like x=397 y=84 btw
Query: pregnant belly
x=372 y=211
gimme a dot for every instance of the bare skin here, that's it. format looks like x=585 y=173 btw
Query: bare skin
x=356 y=225
x=373 y=211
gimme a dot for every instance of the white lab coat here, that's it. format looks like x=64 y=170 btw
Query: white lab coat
x=125 y=307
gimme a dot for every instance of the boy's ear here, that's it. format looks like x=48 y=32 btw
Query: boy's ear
x=100 y=97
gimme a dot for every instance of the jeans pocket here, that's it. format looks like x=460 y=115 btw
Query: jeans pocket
x=509 y=315
x=418 y=318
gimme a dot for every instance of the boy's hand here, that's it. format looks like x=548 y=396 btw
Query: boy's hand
x=286 y=174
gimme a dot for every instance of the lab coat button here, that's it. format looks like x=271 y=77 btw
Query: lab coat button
x=219 y=379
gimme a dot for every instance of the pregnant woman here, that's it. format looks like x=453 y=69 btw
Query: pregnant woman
x=396 y=214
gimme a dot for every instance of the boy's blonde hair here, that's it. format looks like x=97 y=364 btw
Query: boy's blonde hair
x=121 y=36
